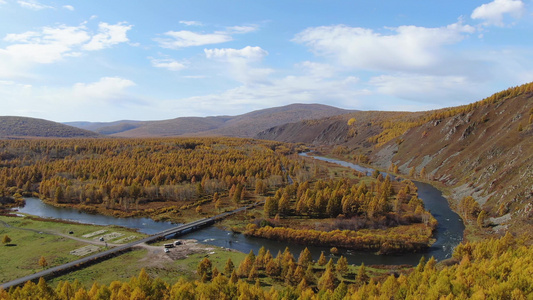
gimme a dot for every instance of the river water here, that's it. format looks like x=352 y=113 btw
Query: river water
x=448 y=234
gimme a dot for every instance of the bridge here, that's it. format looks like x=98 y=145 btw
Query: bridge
x=98 y=257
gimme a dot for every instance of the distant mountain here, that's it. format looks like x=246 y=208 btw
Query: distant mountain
x=246 y=125
x=106 y=127
x=22 y=127
x=173 y=127
x=249 y=124
x=483 y=150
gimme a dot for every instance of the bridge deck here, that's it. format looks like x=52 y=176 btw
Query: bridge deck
x=80 y=263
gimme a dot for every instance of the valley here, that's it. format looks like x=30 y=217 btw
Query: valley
x=479 y=155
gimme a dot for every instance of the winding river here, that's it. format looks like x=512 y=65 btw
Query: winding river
x=448 y=234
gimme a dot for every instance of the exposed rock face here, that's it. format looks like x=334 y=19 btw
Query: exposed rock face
x=483 y=154
x=485 y=151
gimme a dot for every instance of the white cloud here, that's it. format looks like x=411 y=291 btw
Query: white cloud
x=241 y=29
x=47 y=46
x=108 y=98
x=493 y=13
x=238 y=62
x=108 y=36
x=167 y=63
x=69 y=7
x=342 y=92
x=191 y=23
x=184 y=38
x=51 y=44
x=106 y=89
x=3 y=2
x=247 y=53
x=404 y=48
x=33 y=5
x=25 y=37
x=452 y=90
x=317 y=69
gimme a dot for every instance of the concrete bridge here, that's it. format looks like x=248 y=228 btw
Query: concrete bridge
x=98 y=257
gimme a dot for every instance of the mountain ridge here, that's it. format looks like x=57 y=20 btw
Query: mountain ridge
x=244 y=125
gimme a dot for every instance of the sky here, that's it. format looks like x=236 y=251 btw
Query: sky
x=152 y=60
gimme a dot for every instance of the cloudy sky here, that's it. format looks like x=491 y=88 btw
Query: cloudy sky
x=150 y=60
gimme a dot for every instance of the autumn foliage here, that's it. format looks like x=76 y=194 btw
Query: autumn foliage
x=377 y=215
x=123 y=174
x=491 y=269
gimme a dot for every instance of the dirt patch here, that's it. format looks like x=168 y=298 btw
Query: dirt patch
x=157 y=257
x=85 y=250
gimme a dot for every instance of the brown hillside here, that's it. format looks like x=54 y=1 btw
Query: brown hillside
x=246 y=125
x=174 y=127
x=486 y=153
x=483 y=150
x=335 y=130
x=22 y=127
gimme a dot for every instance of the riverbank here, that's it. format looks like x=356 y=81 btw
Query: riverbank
x=450 y=229
x=56 y=241
x=494 y=227
x=60 y=241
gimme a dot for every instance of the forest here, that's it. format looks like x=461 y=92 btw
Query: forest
x=349 y=210
x=361 y=213
x=489 y=269
x=126 y=176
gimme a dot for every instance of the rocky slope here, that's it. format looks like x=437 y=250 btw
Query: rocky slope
x=483 y=150
x=486 y=153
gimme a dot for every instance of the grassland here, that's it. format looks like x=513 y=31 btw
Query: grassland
x=33 y=238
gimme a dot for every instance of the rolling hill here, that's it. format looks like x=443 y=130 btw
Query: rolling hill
x=22 y=127
x=246 y=125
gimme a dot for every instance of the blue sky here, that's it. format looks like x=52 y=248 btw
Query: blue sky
x=152 y=60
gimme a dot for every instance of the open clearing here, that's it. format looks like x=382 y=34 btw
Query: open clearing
x=32 y=238
x=180 y=261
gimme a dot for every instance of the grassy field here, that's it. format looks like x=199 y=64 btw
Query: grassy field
x=130 y=264
x=30 y=242
x=33 y=238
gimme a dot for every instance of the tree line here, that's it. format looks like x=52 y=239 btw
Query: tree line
x=118 y=174
x=376 y=214
x=489 y=269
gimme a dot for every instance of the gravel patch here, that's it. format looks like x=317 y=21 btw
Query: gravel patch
x=90 y=235
x=85 y=250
